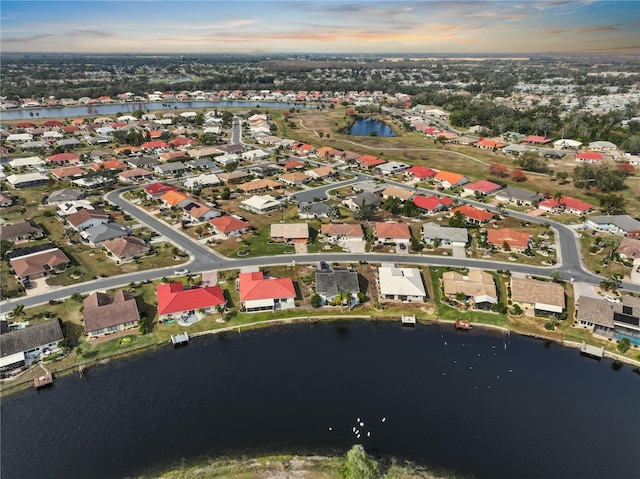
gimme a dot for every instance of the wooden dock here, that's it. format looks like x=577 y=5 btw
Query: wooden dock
x=43 y=381
x=462 y=324
x=179 y=340
x=592 y=351
x=408 y=320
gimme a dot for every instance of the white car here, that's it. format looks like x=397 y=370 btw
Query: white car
x=181 y=271
x=611 y=299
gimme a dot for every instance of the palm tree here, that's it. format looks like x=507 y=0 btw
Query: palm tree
x=17 y=311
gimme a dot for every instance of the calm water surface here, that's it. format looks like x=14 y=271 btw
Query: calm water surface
x=366 y=126
x=453 y=400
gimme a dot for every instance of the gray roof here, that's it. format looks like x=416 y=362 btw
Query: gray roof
x=106 y=231
x=624 y=222
x=315 y=208
x=553 y=153
x=20 y=229
x=143 y=162
x=34 y=144
x=435 y=231
x=30 y=338
x=595 y=310
x=519 y=194
x=366 y=199
x=94 y=140
x=370 y=186
x=64 y=195
x=328 y=283
x=69 y=142
x=170 y=167
x=201 y=163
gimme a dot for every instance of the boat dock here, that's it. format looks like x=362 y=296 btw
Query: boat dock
x=592 y=351
x=408 y=320
x=43 y=381
x=462 y=324
x=179 y=340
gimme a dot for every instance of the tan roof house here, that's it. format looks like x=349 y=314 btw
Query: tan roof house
x=262 y=184
x=290 y=232
x=392 y=232
x=540 y=296
x=342 y=230
x=127 y=248
x=38 y=264
x=106 y=314
x=477 y=286
x=397 y=192
x=25 y=230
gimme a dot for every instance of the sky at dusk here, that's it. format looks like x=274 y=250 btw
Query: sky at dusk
x=273 y=26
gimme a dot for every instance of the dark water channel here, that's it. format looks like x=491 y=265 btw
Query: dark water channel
x=477 y=403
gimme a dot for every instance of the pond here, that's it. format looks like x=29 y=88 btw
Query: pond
x=370 y=127
x=474 y=403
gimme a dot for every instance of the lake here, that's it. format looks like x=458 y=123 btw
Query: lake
x=32 y=114
x=369 y=126
x=479 y=403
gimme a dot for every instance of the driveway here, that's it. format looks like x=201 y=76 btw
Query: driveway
x=458 y=252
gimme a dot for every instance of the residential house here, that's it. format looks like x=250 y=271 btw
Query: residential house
x=27 y=180
x=611 y=320
x=369 y=186
x=477 y=286
x=488 y=144
x=175 y=198
x=518 y=196
x=296 y=178
x=401 y=284
x=127 y=248
x=170 y=169
x=106 y=314
x=137 y=174
x=536 y=140
x=98 y=234
x=31 y=162
x=392 y=167
x=629 y=248
x=623 y=225
x=145 y=162
x=233 y=177
x=290 y=232
x=262 y=184
x=567 y=143
x=229 y=225
x=201 y=164
x=472 y=214
x=432 y=204
x=516 y=240
x=402 y=194
x=392 y=232
x=589 y=157
x=71 y=207
x=328 y=152
x=156 y=190
x=61 y=158
x=421 y=172
x=444 y=236
x=68 y=172
x=5 y=200
x=343 y=233
x=449 y=180
x=197 y=212
x=174 y=301
x=86 y=218
x=316 y=209
x=330 y=283
x=543 y=297
x=37 y=261
x=369 y=161
x=483 y=187
x=109 y=165
x=24 y=230
x=264 y=170
x=568 y=204
x=292 y=165
x=602 y=146
x=24 y=346
x=64 y=195
x=361 y=200
x=201 y=181
x=260 y=293
x=261 y=204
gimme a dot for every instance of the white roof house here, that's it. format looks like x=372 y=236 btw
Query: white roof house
x=29 y=162
x=403 y=284
x=566 y=143
x=207 y=179
x=20 y=137
x=28 y=179
x=260 y=204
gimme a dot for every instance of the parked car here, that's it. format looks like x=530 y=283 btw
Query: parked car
x=181 y=272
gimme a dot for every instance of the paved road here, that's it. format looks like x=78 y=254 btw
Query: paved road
x=236 y=132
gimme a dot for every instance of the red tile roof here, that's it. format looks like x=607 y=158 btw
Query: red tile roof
x=430 y=203
x=109 y=165
x=392 y=230
x=67 y=172
x=567 y=202
x=62 y=157
x=422 y=172
x=183 y=141
x=173 y=298
x=449 y=177
x=368 y=161
x=292 y=165
x=227 y=224
x=158 y=188
x=253 y=286
x=490 y=143
x=473 y=213
x=149 y=145
x=536 y=139
x=589 y=155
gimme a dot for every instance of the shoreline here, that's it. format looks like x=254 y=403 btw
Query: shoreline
x=85 y=366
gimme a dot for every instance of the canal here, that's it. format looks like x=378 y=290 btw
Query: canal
x=478 y=403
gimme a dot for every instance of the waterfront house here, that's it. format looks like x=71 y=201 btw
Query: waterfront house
x=477 y=286
x=333 y=281
x=106 y=314
x=260 y=293
x=401 y=284
x=174 y=301
x=542 y=297
x=24 y=346
x=609 y=319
